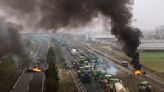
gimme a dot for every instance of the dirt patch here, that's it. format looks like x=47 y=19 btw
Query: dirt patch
x=161 y=75
x=131 y=82
x=66 y=83
x=64 y=74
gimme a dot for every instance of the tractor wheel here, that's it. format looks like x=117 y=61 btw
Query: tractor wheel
x=111 y=87
x=148 y=90
x=114 y=89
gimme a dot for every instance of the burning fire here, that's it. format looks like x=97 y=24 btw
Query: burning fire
x=36 y=69
x=137 y=72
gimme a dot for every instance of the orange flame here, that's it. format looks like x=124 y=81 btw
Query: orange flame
x=36 y=70
x=137 y=72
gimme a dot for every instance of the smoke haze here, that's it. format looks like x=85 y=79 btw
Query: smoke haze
x=10 y=42
x=55 y=14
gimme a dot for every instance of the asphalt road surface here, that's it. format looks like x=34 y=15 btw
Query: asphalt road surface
x=148 y=77
x=32 y=82
x=36 y=83
x=90 y=87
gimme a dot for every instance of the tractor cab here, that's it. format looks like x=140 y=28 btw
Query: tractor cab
x=114 y=80
x=80 y=71
x=105 y=80
x=144 y=86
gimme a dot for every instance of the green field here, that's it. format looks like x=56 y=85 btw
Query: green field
x=120 y=55
x=153 y=60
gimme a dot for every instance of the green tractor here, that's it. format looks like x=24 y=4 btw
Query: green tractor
x=98 y=74
x=84 y=74
x=115 y=85
x=109 y=83
x=105 y=80
x=144 y=86
x=80 y=71
x=110 y=86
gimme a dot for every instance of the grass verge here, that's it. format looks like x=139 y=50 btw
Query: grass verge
x=66 y=83
x=8 y=75
x=120 y=55
x=153 y=60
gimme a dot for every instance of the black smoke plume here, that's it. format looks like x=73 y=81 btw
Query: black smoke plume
x=11 y=42
x=80 y=12
x=74 y=13
x=23 y=6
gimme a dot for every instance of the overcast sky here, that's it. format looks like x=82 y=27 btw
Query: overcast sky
x=148 y=13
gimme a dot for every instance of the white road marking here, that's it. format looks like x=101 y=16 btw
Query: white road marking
x=17 y=82
x=31 y=77
x=27 y=88
x=43 y=83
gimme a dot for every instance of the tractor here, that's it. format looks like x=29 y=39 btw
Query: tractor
x=115 y=85
x=144 y=86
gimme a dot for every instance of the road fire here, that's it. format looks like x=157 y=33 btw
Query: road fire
x=36 y=69
x=137 y=72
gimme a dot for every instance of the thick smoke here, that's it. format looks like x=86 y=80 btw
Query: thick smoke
x=74 y=13
x=80 y=12
x=10 y=42
x=23 y=6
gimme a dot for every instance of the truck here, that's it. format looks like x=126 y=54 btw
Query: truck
x=73 y=51
x=125 y=64
x=84 y=73
x=144 y=86
x=85 y=77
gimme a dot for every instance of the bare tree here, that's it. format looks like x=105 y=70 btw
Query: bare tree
x=160 y=32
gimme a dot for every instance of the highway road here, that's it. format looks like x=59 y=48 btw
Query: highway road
x=32 y=82
x=90 y=87
x=36 y=83
x=37 y=80
x=148 y=77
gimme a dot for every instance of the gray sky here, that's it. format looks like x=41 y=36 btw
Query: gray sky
x=148 y=13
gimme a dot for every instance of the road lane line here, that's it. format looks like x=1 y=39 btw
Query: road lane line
x=31 y=77
x=27 y=88
x=43 y=83
x=18 y=79
x=17 y=82
x=155 y=79
x=75 y=81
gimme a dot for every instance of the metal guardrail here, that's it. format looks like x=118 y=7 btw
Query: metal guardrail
x=77 y=82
